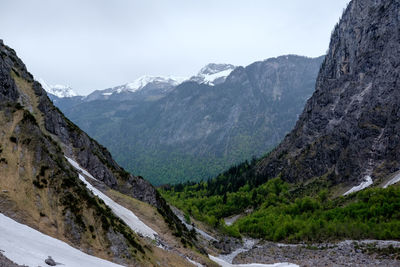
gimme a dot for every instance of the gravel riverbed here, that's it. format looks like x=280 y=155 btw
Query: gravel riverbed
x=345 y=253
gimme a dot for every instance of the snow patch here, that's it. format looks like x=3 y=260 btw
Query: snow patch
x=126 y=215
x=364 y=184
x=78 y=167
x=213 y=74
x=223 y=263
x=195 y=263
x=26 y=246
x=210 y=78
x=394 y=180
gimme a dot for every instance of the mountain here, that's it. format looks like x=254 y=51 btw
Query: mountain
x=145 y=86
x=335 y=177
x=347 y=132
x=202 y=126
x=213 y=74
x=58 y=90
x=62 y=193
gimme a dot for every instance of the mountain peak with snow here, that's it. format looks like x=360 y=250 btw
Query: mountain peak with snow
x=141 y=82
x=144 y=85
x=58 y=89
x=213 y=73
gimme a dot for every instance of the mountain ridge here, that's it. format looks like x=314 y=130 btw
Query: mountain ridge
x=200 y=127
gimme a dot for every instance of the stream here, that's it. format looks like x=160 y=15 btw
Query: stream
x=248 y=243
x=225 y=260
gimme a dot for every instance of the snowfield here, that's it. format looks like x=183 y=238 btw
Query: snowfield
x=26 y=246
x=394 y=180
x=364 y=184
x=126 y=215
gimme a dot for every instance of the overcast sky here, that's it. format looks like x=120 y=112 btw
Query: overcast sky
x=96 y=44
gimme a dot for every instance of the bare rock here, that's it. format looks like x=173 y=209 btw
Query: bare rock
x=50 y=261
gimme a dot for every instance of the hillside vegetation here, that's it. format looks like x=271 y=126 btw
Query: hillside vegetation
x=285 y=212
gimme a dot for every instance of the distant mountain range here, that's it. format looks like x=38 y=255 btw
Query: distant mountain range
x=177 y=129
x=211 y=74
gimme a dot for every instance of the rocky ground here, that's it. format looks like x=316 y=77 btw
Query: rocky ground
x=4 y=262
x=346 y=253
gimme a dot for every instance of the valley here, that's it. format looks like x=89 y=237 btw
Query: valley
x=290 y=161
x=171 y=131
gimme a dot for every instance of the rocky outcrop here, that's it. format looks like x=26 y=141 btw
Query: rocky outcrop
x=50 y=261
x=35 y=137
x=349 y=127
x=8 y=89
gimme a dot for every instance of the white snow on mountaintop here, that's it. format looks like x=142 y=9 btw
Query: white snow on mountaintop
x=210 y=78
x=144 y=80
x=213 y=74
x=57 y=89
x=26 y=246
x=126 y=215
x=141 y=82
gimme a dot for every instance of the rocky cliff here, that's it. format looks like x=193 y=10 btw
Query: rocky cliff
x=41 y=189
x=349 y=128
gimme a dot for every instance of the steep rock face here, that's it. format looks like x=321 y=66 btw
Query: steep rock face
x=8 y=90
x=197 y=130
x=41 y=189
x=349 y=129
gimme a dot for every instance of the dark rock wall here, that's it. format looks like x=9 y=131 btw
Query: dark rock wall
x=350 y=126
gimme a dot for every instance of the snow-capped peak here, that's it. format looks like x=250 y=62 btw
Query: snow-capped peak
x=144 y=80
x=141 y=82
x=213 y=74
x=58 y=89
